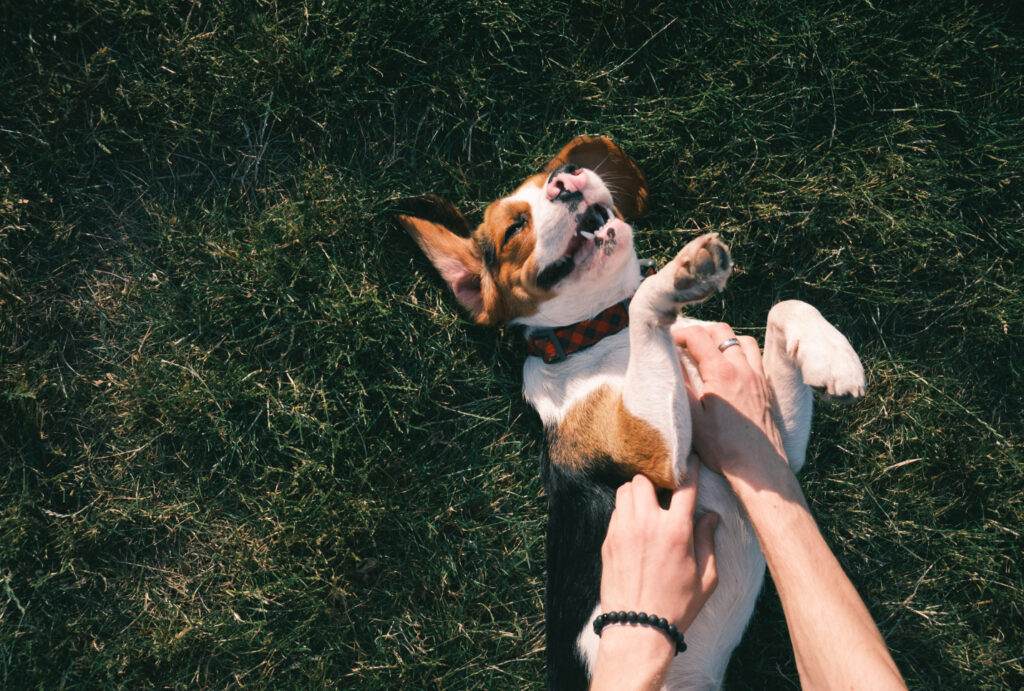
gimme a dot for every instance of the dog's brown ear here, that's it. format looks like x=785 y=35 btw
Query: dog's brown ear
x=440 y=230
x=618 y=171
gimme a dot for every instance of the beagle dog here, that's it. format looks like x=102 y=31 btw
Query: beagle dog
x=556 y=257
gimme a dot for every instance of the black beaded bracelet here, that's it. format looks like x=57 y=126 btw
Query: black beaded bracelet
x=643 y=619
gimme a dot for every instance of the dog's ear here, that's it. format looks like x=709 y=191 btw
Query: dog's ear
x=440 y=230
x=618 y=171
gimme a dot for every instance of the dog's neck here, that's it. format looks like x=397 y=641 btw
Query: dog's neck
x=581 y=300
x=557 y=344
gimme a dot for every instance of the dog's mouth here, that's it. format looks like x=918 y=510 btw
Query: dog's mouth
x=588 y=224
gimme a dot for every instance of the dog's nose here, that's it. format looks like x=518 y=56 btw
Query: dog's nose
x=566 y=182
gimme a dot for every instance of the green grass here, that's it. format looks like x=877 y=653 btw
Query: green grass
x=247 y=440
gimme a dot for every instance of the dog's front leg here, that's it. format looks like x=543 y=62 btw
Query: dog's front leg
x=653 y=390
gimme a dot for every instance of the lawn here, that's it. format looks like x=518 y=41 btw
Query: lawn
x=248 y=440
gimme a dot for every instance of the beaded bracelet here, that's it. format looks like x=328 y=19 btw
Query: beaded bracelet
x=643 y=619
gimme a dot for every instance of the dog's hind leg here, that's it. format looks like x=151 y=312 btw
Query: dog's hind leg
x=804 y=353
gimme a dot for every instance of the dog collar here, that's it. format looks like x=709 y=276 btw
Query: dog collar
x=557 y=344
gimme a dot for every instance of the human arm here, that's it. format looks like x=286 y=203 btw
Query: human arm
x=835 y=642
x=655 y=561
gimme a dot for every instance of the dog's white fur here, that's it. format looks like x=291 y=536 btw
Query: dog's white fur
x=802 y=351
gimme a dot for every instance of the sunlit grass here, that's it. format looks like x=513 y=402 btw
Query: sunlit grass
x=246 y=438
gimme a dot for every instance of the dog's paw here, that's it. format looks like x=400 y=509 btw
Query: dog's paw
x=700 y=268
x=826 y=360
x=843 y=380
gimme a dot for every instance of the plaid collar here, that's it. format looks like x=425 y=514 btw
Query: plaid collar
x=555 y=345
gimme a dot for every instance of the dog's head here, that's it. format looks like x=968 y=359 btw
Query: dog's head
x=547 y=251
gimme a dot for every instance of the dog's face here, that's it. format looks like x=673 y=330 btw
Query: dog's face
x=559 y=237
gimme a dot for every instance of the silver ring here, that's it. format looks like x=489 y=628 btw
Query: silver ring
x=729 y=342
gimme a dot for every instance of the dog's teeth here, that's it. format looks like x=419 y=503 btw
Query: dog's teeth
x=589 y=236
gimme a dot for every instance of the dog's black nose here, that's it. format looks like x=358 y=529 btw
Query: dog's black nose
x=565 y=184
x=568 y=168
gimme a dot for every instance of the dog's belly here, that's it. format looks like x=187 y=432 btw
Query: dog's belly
x=719 y=627
x=553 y=390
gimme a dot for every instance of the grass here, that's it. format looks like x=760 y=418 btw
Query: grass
x=247 y=440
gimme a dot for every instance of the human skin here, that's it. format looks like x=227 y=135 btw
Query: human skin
x=660 y=562
x=835 y=641
x=657 y=561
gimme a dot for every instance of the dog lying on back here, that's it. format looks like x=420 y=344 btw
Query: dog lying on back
x=557 y=258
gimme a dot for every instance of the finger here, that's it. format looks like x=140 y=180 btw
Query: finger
x=721 y=333
x=678 y=330
x=624 y=502
x=701 y=347
x=607 y=546
x=691 y=373
x=696 y=406
x=704 y=551
x=753 y=354
x=756 y=363
x=698 y=414
x=645 y=497
x=684 y=499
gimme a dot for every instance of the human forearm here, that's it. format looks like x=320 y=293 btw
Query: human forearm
x=631 y=658
x=659 y=562
x=835 y=641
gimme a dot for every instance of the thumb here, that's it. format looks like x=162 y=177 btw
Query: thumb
x=684 y=498
x=694 y=400
x=704 y=551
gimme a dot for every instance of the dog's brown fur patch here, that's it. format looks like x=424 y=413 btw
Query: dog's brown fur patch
x=622 y=176
x=511 y=264
x=600 y=427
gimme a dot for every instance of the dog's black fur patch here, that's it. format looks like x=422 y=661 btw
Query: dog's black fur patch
x=579 y=509
x=430 y=207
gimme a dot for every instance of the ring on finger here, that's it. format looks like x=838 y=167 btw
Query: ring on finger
x=728 y=343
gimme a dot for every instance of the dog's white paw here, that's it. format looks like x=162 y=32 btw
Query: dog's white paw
x=830 y=366
x=827 y=361
x=700 y=268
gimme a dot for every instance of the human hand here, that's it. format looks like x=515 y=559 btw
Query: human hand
x=655 y=560
x=732 y=422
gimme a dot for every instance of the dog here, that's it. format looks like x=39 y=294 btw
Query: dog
x=556 y=257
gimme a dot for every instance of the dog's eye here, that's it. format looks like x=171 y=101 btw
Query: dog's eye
x=516 y=226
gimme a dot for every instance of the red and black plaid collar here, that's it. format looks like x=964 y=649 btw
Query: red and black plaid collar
x=555 y=345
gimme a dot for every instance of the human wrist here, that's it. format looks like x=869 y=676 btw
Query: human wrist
x=639 y=653
x=631 y=618
x=761 y=486
x=762 y=466
x=651 y=640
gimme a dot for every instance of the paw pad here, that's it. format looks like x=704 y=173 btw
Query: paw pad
x=703 y=267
